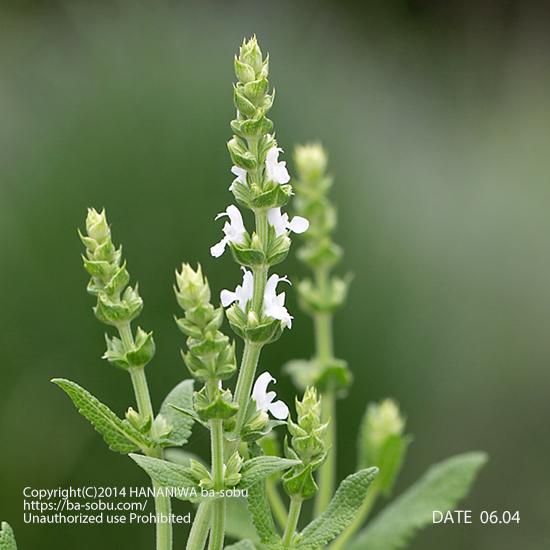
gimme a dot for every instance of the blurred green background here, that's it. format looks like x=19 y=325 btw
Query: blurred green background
x=436 y=120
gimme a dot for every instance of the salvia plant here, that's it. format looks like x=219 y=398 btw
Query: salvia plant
x=274 y=458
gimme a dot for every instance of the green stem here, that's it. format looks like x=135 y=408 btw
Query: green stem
x=341 y=542
x=163 y=505
x=163 y=510
x=327 y=471
x=293 y=517
x=141 y=391
x=201 y=527
x=217 y=531
x=277 y=506
x=324 y=353
x=251 y=355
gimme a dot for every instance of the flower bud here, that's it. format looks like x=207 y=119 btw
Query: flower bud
x=232 y=474
x=251 y=55
x=307 y=444
x=161 y=428
x=191 y=287
x=97 y=226
x=134 y=418
x=311 y=161
x=382 y=421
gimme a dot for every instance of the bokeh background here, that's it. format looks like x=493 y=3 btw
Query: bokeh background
x=436 y=117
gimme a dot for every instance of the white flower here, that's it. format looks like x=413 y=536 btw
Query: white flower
x=274 y=304
x=233 y=230
x=242 y=293
x=265 y=400
x=276 y=171
x=241 y=176
x=281 y=222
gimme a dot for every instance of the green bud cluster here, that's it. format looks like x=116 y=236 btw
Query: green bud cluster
x=382 y=422
x=319 y=251
x=118 y=303
x=203 y=477
x=307 y=444
x=210 y=356
x=248 y=148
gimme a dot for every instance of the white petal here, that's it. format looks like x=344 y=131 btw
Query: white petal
x=271 y=287
x=281 y=175
x=247 y=289
x=277 y=220
x=218 y=249
x=240 y=173
x=259 y=392
x=276 y=171
x=279 y=410
x=298 y=224
x=227 y=297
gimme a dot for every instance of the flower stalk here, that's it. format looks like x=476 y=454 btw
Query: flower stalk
x=320 y=296
x=117 y=305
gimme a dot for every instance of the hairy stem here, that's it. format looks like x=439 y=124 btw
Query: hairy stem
x=293 y=517
x=324 y=353
x=217 y=531
x=163 y=505
x=163 y=511
x=327 y=471
x=251 y=355
x=201 y=527
x=276 y=502
x=341 y=542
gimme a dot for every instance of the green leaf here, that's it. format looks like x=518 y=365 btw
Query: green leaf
x=119 y=435
x=180 y=396
x=261 y=515
x=181 y=457
x=168 y=474
x=442 y=486
x=242 y=545
x=340 y=512
x=7 y=538
x=392 y=456
x=238 y=523
x=259 y=468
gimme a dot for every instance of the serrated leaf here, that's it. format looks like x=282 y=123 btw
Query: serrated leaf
x=340 y=512
x=441 y=487
x=261 y=515
x=168 y=474
x=7 y=538
x=238 y=522
x=119 y=435
x=241 y=545
x=180 y=396
x=257 y=469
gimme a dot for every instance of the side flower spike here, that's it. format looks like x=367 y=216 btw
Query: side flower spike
x=274 y=304
x=242 y=293
x=281 y=222
x=276 y=171
x=234 y=230
x=265 y=401
x=241 y=176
